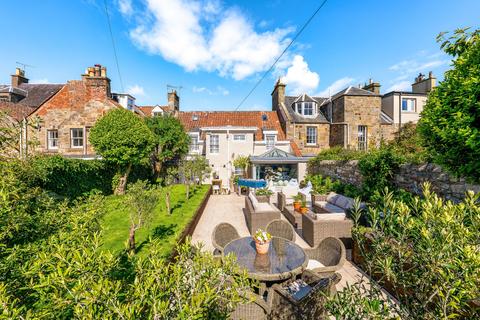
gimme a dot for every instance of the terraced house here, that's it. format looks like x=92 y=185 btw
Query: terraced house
x=59 y=117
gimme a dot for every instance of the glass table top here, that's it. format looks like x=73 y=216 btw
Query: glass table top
x=284 y=258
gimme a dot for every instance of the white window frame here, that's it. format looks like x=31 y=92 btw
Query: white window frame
x=362 y=137
x=72 y=138
x=410 y=104
x=50 y=145
x=309 y=106
x=239 y=137
x=269 y=142
x=194 y=145
x=310 y=135
x=214 y=148
x=299 y=107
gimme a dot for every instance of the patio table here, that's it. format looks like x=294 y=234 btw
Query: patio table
x=284 y=259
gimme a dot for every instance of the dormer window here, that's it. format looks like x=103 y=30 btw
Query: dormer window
x=307 y=109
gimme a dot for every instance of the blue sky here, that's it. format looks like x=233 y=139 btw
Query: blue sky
x=217 y=50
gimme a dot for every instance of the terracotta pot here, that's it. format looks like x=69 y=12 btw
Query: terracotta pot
x=297 y=205
x=262 y=248
x=303 y=210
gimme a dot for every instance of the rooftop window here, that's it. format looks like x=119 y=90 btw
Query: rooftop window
x=306 y=109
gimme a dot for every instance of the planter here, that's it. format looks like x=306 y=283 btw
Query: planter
x=263 y=199
x=297 y=206
x=303 y=210
x=262 y=248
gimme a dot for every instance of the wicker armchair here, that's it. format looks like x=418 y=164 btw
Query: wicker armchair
x=330 y=253
x=255 y=308
x=281 y=228
x=222 y=235
x=287 y=306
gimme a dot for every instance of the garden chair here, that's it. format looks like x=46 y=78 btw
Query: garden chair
x=328 y=257
x=303 y=298
x=254 y=308
x=222 y=235
x=281 y=228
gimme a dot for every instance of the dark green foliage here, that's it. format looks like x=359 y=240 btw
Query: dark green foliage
x=425 y=251
x=70 y=177
x=378 y=168
x=450 y=122
x=408 y=143
x=324 y=185
x=335 y=153
x=170 y=140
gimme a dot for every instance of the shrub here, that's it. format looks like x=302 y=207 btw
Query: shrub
x=70 y=177
x=449 y=122
x=426 y=252
x=378 y=168
x=408 y=143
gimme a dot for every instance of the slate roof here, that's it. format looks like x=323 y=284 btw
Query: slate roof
x=233 y=118
x=17 y=111
x=354 y=91
x=385 y=118
x=37 y=94
x=290 y=100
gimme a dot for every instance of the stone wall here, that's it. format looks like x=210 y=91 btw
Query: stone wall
x=409 y=177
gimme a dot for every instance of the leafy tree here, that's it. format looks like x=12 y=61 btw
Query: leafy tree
x=193 y=170
x=123 y=139
x=171 y=140
x=450 y=122
x=142 y=201
x=11 y=132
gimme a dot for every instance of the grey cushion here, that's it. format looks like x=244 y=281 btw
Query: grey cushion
x=333 y=208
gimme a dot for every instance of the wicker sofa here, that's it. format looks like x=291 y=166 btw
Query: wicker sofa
x=258 y=215
x=316 y=227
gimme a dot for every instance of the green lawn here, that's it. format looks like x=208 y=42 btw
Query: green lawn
x=166 y=227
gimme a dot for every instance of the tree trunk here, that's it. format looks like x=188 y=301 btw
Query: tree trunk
x=167 y=201
x=188 y=190
x=131 y=238
x=122 y=182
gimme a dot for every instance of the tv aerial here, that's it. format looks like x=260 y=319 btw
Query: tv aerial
x=23 y=66
x=171 y=88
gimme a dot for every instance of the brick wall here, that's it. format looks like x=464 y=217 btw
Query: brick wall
x=409 y=177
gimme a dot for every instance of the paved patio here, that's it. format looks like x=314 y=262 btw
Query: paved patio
x=229 y=208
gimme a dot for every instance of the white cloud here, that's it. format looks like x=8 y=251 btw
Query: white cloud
x=136 y=90
x=36 y=81
x=219 y=90
x=125 y=7
x=299 y=76
x=200 y=36
x=400 y=86
x=335 y=87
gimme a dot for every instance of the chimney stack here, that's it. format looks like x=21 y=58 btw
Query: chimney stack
x=18 y=78
x=173 y=101
x=97 y=82
x=278 y=94
x=372 y=86
x=422 y=85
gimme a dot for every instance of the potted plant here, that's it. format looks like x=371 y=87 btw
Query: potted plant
x=297 y=202
x=303 y=208
x=263 y=195
x=262 y=241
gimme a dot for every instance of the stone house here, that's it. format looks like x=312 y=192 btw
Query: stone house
x=58 y=117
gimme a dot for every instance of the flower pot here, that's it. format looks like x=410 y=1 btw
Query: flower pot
x=263 y=199
x=303 y=210
x=297 y=205
x=262 y=248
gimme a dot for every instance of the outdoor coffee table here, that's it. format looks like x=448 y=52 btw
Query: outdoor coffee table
x=284 y=259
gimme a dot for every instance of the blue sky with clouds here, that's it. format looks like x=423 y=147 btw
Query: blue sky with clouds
x=217 y=50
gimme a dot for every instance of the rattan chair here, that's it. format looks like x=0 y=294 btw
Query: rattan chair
x=254 y=308
x=222 y=235
x=285 y=306
x=281 y=228
x=330 y=253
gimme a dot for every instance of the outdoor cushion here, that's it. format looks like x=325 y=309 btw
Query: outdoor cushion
x=288 y=201
x=253 y=199
x=341 y=202
x=264 y=207
x=332 y=197
x=333 y=208
x=314 y=264
x=290 y=191
x=331 y=216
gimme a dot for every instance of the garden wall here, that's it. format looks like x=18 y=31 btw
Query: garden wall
x=409 y=177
